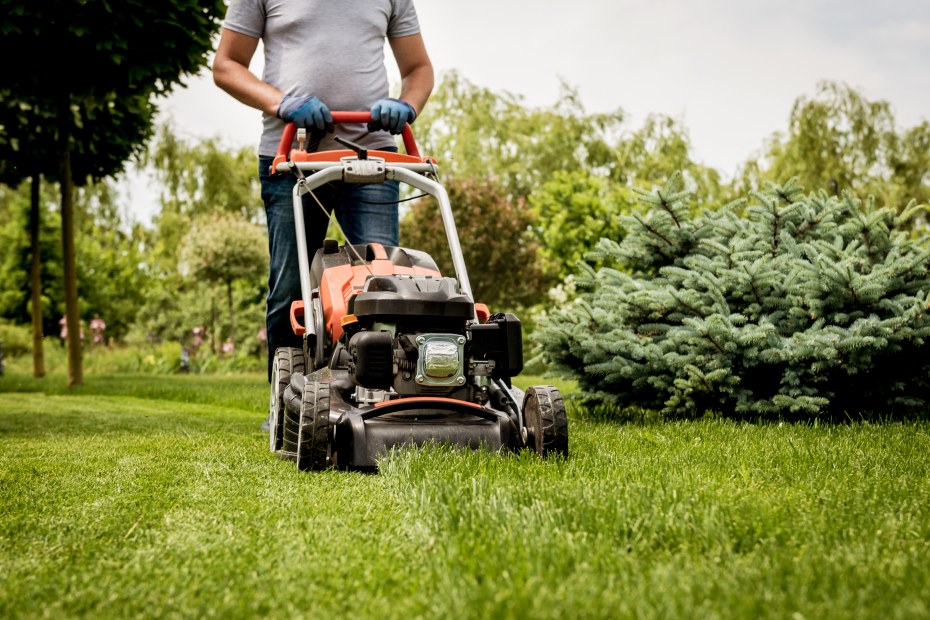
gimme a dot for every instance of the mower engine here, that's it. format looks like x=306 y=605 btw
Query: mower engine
x=411 y=334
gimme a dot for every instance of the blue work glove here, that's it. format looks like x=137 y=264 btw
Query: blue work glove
x=391 y=115
x=308 y=112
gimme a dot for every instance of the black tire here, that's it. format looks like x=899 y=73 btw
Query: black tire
x=287 y=361
x=291 y=430
x=313 y=440
x=546 y=421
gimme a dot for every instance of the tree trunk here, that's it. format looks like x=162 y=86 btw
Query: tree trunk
x=69 y=265
x=232 y=323
x=35 y=280
x=213 y=321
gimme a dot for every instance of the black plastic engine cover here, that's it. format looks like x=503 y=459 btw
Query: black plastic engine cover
x=499 y=340
x=405 y=297
x=372 y=356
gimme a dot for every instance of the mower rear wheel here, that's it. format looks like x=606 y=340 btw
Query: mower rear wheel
x=287 y=361
x=313 y=438
x=545 y=420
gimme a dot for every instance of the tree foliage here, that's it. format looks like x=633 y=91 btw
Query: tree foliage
x=660 y=149
x=98 y=104
x=573 y=211
x=198 y=179
x=501 y=251
x=16 y=257
x=112 y=274
x=575 y=170
x=223 y=250
x=202 y=178
x=840 y=141
x=810 y=305
x=475 y=132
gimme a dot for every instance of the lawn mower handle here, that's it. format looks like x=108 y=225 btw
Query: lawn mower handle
x=290 y=129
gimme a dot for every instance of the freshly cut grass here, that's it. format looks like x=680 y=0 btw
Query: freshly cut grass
x=244 y=391
x=169 y=504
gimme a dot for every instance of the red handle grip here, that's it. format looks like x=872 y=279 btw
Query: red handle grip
x=290 y=130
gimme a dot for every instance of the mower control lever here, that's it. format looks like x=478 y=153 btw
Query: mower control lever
x=360 y=150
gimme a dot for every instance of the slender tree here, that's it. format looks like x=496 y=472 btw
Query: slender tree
x=35 y=279
x=35 y=274
x=116 y=58
x=223 y=250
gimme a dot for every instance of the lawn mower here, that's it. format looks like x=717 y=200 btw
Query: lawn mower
x=394 y=353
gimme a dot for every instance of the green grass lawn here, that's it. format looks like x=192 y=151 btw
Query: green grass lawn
x=157 y=497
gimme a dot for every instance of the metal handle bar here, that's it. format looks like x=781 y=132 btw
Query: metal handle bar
x=290 y=129
x=316 y=166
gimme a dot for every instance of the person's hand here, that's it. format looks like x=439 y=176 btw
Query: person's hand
x=391 y=115
x=308 y=112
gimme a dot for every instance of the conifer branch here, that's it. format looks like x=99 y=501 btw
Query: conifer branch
x=665 y=205
x=653 y=231
x=693 y=310
x=717 y=346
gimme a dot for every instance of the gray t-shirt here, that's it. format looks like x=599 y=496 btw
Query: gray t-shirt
x=333 y=49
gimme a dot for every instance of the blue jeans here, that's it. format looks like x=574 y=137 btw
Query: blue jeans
x=359 y=210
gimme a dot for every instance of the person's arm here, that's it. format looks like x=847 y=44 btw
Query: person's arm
x=231 y=73
x=416 y=70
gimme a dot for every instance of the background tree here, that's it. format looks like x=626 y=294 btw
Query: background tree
x=475 y=132
x=223 y=250
x=28 y=234
x=501 y=252
x=198 y=179
x=35 y=260
x=573 y=168
x=112 y=273
x=649 y=156
x=839 y=141
x=29 y=149
x=118 y=57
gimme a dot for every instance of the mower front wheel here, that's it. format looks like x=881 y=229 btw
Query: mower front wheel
x=546 y=421
x=287 y=361
x=314 y=434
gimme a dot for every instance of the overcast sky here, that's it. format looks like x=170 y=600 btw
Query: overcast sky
x=728 y=69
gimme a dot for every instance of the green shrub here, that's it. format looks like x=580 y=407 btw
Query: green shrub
x=158 y=359
x=149 y=359
x=794 y=305
x=206 y=362
x=16 y=339
x=165 y=358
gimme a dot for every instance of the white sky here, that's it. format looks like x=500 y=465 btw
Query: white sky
x=728 y=69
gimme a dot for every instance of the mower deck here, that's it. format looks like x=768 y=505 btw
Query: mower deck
x=362 y=435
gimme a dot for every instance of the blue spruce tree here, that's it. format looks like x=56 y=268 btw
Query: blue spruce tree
x=779 y=306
